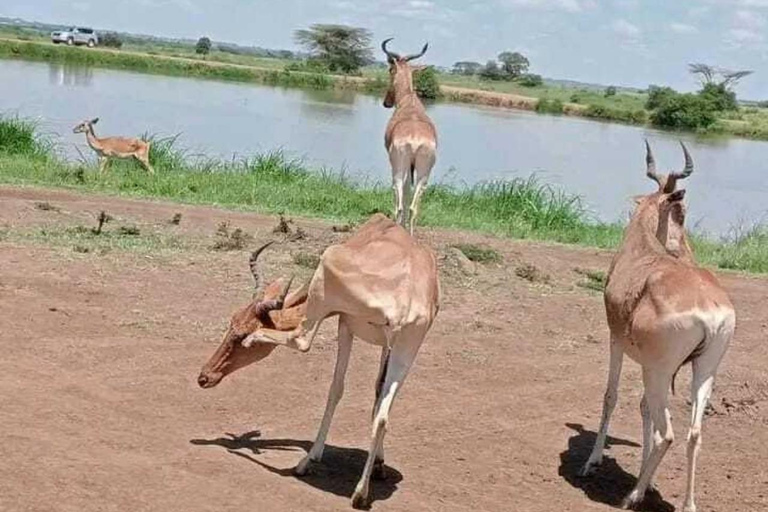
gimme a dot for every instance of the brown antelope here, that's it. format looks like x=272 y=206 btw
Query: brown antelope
x=384 y=288
x=663 y=312
x=114 y=147
x=410 y=139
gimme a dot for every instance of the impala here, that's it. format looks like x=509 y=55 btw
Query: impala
x=114 y=147
x=382 y=285
x=410 y=138
x=663 y=311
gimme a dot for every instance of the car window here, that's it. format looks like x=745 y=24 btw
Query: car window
x=85 y=30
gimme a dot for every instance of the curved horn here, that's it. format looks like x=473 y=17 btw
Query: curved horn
x=391 y=56
x=650 y=164
x=252 y=263
x=264 y=307
x=417 y=55
x=688 y=169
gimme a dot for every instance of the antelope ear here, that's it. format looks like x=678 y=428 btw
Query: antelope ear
x=420 y=67
x=94 y=120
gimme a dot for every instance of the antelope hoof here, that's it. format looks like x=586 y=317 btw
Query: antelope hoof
x=589 y=467
x=379 y=470
x=304 y=467
x=632 y=500
x=360 y=500
x=689 y=508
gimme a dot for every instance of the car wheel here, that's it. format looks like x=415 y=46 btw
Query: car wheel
x=56 y=42
x=70 y=41
x=91 y=43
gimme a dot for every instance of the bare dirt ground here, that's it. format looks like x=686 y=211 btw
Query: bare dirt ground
x=100 y=411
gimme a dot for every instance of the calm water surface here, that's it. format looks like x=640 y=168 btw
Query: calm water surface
x=604 y=163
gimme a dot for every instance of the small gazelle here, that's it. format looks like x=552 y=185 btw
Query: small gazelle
x=663 y=311
x=114 y=147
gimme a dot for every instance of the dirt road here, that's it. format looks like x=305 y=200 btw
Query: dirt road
x=101 y=345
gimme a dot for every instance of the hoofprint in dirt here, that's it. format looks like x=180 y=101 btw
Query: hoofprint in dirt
x=102 y=343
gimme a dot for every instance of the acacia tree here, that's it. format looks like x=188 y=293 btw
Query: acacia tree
x=203 y=46
x=339 y=47
x=717 y=84
x=513 y=64
x=466 y=68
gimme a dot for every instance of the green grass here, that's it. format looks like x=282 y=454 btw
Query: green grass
x=20 y=137
x=272 y=183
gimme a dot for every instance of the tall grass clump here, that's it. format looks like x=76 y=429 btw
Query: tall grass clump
x=19 y=137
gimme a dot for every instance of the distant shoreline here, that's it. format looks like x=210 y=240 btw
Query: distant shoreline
x=172 y=65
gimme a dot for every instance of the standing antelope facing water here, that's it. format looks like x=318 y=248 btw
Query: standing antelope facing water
x=410 y=139
x=384 y=288
x=663 y=312
x=114 y=147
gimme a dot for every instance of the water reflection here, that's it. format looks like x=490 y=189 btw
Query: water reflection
x=69 y=75
x=328 y=105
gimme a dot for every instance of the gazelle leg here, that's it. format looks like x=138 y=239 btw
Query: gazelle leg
x=334 y=395
x=400 y=161
x=144 y=161
x=656 y=393
x=379 y=472
x=421 y=186
x=609 y=403
x=401 y=357
x=102 y=164
x=645 y=413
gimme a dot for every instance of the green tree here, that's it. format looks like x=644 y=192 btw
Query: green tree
x=530 y=80
x=425 y=83
x=719 y=96
x=111 y=40
x=341 y=47
x=513 y=64
x=491 y=71
x=656 y=95
x=610 y=91
x=466 y=68
x=684 y=111
x=203 y=46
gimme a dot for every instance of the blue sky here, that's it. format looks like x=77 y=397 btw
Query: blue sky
x=625 y=42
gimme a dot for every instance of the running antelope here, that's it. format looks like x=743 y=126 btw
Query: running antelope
x=410 y=139
x=114 y=147
x=384 y=288
x=663 y=312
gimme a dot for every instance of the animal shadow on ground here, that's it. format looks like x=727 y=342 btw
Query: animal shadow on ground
x=337 y=473
x=608 y=483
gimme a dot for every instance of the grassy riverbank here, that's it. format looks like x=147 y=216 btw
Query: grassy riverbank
x=622 y=107
x=272 y=183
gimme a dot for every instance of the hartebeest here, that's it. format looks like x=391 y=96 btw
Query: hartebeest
x=663 y=312
x=410 y=138
x=383 y=286
x=114 y=147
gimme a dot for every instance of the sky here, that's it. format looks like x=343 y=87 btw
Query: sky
x=619 y=42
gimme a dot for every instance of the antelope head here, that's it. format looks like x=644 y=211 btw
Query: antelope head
x=274 y=309
x=400 y=72
x=663 y=212
x=85 y=126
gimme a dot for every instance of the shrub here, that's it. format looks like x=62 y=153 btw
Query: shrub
x=616 y=114
x=656 y=95
x=203 y=46
x=547 y=106
x=425 y=83
x=610 y=91
x=530 y=80
x=684 y=111
x=719 y=97
x=111 y=40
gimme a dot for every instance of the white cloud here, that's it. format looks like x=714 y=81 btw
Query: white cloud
x=742 y=36
x=564 y=5
x=683 y=28
x=749 y=20
x=626 y=29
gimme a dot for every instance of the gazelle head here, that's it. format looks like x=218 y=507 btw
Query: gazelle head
x=400 y=72
x=85 y=126
x=274 y=309
x=663 y=211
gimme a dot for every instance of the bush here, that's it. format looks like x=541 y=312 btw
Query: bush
x=425 y=83
x=610 y=91
x=491 y=71
x=308 y=66
x=616 y=114
x=719 y=97
x=547 y=106
x=111 y=40
x=684 y=111
x=656 y=95
x=530 y=80
x=203 y=46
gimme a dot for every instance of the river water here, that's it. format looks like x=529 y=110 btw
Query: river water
x=339 y=130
